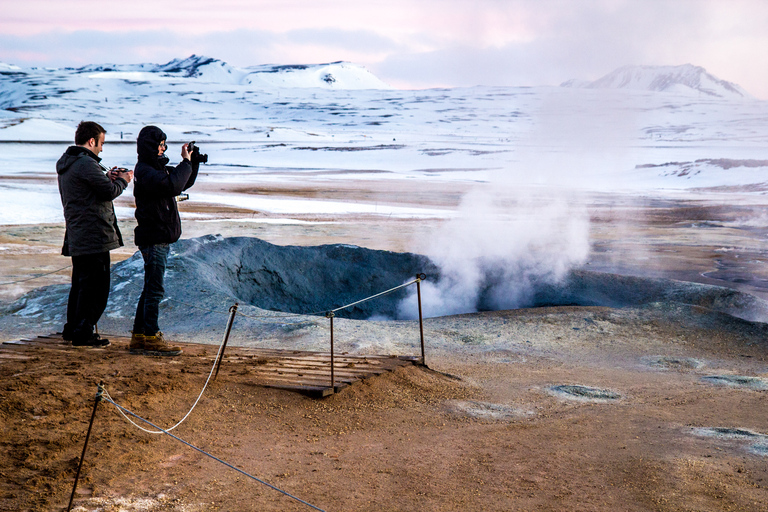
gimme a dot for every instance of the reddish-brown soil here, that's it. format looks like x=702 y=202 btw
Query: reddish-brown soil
x=414 y=439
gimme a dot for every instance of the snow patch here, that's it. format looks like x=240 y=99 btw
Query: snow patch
x=34 y=129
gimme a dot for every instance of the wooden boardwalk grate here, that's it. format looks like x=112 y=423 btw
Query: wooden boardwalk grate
x=305 y=372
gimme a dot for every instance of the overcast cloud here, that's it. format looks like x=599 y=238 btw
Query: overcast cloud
x=407 y=43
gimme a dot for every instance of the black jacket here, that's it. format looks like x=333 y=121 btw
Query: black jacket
x=155 y=187
x=86 y=195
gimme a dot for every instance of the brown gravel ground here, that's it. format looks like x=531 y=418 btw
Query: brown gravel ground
x=496 y=438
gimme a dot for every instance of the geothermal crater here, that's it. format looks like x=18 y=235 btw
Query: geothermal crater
x=211 y=271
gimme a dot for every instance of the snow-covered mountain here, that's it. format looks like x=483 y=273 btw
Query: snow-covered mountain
x=335 y=75
x=339 y=118
x=685 y=79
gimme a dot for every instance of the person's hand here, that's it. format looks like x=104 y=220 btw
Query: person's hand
x=126 y=175
x=185 y=152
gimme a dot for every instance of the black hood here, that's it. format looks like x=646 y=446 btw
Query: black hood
x=149 y=139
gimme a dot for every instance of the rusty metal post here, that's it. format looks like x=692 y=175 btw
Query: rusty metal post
x=232 y=313
x=330 y=315
x=85 y=445
x=419 y=278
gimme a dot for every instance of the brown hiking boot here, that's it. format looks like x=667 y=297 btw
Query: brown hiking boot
x=136 y=346
x=157 y=346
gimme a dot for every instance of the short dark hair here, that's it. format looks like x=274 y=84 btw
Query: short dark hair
x=86 y=131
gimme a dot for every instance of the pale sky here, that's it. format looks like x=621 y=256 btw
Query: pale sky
x=409 y=44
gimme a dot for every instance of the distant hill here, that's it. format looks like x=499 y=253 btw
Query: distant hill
x=684 y=79
x=335 y=75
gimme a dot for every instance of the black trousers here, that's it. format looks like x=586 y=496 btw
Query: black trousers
x=88 y=295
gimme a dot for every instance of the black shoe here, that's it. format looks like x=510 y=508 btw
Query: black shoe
x=95 y=341
x=66 y=333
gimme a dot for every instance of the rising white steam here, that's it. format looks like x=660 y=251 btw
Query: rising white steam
x=530 y=225
x=500 y=247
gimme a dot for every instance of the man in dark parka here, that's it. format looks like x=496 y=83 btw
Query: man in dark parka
x=91 y=232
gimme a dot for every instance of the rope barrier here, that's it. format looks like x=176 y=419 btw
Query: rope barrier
x=165 y=431
x=36 y=277
x=283 y=314
x=123 y=411
x=377 y=295
x=325 y=312
x=103 y=394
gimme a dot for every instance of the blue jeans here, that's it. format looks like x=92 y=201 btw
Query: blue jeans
x=148 y=310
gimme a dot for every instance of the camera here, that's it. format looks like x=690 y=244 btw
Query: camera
x=115 y=172
x=195 y=154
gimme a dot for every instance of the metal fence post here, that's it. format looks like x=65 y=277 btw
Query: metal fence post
x=85 y=445
x=419 y=278
x=232 y=313
x=330 y=315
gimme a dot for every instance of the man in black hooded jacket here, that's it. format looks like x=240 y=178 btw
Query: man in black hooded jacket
x=91 y=230
x=156 y=186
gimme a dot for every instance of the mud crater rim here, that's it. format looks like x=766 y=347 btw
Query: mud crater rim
x=737 y=381
x=579 y=392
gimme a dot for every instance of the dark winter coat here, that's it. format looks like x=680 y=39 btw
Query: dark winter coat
x=155 y=187
x=86 y=195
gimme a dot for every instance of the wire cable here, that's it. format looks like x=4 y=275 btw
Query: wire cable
x=123 y=411
x=36 y=277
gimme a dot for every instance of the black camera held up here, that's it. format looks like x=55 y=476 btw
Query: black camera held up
x=195 y=155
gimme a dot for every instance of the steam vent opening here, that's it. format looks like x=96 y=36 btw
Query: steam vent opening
x=316 y=279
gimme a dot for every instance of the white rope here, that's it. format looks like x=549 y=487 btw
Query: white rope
x=377 y=295
x=218 y=354
x=281 y=314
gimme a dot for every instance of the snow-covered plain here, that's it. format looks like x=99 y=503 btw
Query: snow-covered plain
x=502 y=184
x=337 y=121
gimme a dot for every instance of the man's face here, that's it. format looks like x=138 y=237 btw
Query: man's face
x=96 y=145
x=161 y=148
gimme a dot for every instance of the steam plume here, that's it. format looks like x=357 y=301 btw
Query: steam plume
x=500 y=247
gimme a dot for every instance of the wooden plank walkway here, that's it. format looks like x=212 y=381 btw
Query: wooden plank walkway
x=305 y=372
